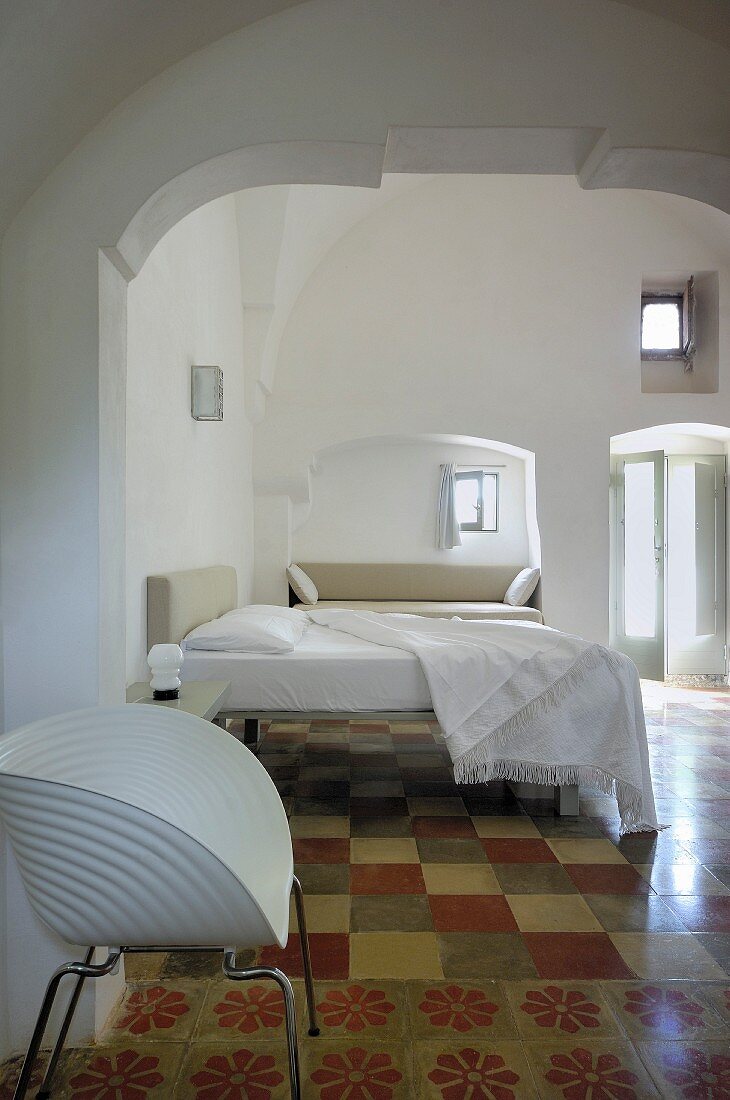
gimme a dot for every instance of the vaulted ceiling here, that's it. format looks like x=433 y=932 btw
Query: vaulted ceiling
x=64 y=64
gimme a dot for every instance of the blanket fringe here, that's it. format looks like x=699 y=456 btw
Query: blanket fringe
x=468 y=769
x=472 y=767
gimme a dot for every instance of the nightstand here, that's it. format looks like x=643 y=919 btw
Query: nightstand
x=202 y=697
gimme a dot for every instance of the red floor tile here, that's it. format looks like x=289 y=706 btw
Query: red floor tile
x=607 y=878
x=413 y=738
x=702 y=914
x=321 y=850
x=518 y=851
x=386 y=878
x=330 y=956
x=472 y=913
x=444 y=827
x=576 y=955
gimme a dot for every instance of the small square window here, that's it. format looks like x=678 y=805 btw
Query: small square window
x=661 y=325
x=477 y=498
x=668 y=325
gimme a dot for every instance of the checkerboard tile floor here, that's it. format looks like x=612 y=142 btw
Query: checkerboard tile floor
x=466 y=944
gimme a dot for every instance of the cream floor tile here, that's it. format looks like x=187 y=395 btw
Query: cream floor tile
x=552 y=913
x=666 y=955
x=308 y=825
x=505 y=827
x=460 y=878
x=580 y=850
x=388 y=850
x=324 y=912
x=394 y=955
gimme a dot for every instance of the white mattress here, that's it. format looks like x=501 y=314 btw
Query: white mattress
x=328 y=670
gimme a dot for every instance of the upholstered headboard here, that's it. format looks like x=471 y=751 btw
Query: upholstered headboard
x=178 y=602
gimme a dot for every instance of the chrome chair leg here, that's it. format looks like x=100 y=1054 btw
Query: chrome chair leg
x=246 y=974
x=82 y=970
x=306 y=957
x=45 y=1089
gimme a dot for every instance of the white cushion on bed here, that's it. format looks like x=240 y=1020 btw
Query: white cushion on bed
x=302 y=585
x=522 y=587
x=247 y=631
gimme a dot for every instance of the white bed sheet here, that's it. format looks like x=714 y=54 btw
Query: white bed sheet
x=328 y=670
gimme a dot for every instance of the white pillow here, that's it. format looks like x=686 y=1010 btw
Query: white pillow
x=248 y=632
x=522 y=587
x=290 y=614
x=304 y=587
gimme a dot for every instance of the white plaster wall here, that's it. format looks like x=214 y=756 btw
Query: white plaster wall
x=334 y=72
x=189 y=495
x=377 y=502
x=501 y=308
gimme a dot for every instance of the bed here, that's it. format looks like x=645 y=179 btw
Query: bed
x=582 y=723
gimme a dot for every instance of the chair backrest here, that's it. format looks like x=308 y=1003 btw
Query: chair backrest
x=136 y=808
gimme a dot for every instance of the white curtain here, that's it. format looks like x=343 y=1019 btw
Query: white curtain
x=447 y=525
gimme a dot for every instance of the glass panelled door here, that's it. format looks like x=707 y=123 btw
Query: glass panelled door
x=696 y=564
x=639 y=556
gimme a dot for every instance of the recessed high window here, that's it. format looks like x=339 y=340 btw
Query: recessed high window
x=668 y=325
x=477 y=500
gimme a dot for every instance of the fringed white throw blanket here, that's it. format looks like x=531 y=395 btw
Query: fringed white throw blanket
x=520 y=701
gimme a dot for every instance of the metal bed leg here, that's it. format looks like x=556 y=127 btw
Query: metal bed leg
x=250 y=731
x=246 y=974
x=82 y=970
x=306 y=957
x=566 y=800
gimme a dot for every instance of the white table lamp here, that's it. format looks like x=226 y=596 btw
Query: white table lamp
x=165 y=661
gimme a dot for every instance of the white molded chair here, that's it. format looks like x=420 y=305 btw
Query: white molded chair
x=142 y=827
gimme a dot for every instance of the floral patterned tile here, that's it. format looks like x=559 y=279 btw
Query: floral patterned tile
x=145 y=1072
x=562 y=1009
x=589 y=1070
x=241 y=1012
x=359 y=1010
x=258 y=1071
x=156 y=1012
x=472 y=1070
x=351 y=1070
x=663 y=1010
x=690 y=1071
x=717 y=995
x=471 y=1011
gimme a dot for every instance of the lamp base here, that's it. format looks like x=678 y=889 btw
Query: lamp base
x=167 y=693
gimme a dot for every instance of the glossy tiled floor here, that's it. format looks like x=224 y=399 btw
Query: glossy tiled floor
x=466 y=945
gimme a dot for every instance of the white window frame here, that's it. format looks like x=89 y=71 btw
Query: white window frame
x=685 y=303
x=471 y=474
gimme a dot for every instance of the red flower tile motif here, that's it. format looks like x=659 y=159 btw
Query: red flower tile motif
x=148 y=1009
x=565 y=1009
x=125 y=1076
x=469 y=1075
x=580 y=1079
x=355 y=1007
x=243 y=1076
x=458 y=1008
x=258 y=1007
x=356 y=1075
x=698 y=1075
x=664 y=1008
